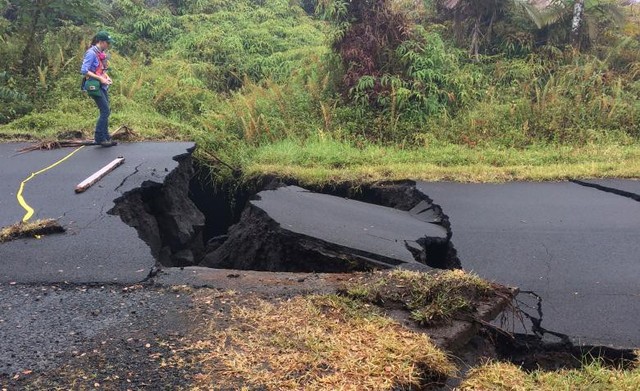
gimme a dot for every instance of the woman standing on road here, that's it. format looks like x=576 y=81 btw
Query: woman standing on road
x=96 y=83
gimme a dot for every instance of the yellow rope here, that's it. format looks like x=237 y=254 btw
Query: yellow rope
x=21 y=200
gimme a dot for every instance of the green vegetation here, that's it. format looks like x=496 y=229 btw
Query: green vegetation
x=335 y=90
x=328 y=160
x=594 y=376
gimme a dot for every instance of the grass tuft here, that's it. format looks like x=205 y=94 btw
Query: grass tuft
x=594 y=376
x=432 y=298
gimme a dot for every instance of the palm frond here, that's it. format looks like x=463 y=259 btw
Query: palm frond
x=544 y=13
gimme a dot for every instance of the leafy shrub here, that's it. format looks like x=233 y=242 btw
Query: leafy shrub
x=13 y=104
x=433 y=80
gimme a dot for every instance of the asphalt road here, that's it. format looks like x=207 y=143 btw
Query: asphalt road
x=97 y=247
x=577 y=247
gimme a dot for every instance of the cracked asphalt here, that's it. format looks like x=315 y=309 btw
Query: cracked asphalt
x=97 y=247
x=64 y=296
x=576 y=246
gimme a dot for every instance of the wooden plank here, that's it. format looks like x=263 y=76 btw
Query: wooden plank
x=87 y=183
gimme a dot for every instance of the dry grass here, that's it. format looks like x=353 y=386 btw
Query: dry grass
x=51 y=145
x=593 y=377
x=432 y=298
x=125 y=133
x=316 y=343
x=30 y=230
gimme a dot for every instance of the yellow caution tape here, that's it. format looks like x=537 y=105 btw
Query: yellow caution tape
x=21 y=200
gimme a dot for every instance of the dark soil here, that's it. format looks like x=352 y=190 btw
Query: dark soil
x=532 y=353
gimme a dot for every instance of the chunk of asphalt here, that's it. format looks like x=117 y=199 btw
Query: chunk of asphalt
x=424 y=211
x=293 y=229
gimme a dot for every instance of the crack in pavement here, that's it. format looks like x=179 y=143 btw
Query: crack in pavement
x=548 y=264
x=135 y=171
x=153 y=272
x=536 y=322
x=607 y=189
x=101 y=216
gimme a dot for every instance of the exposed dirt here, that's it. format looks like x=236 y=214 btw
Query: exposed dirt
x=165 y=217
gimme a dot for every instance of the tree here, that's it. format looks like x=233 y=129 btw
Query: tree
x=474 y=19
x=581 y=18
x=31 y=19
x=576 y=22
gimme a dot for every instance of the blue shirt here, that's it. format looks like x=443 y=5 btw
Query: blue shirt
x=91 y=63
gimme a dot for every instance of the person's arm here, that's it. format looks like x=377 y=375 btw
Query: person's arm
x=104 y=79
x=88 y=63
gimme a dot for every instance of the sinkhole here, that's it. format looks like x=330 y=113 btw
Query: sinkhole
x=274 y=224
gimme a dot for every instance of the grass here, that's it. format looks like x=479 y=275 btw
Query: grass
x=432 y=299
x=80 y=114
x=321 y=161
x=30 y=230
x=593 y=377
x=316 y=343
x=325 y=159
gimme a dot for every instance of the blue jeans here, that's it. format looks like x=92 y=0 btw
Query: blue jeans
x=102 y=127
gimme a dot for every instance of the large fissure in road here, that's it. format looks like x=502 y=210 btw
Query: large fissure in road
x=267 y=224
x=273 y=225
x=165 y=217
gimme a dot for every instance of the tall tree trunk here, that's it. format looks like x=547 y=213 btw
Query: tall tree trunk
x=474 y=49
x=577 y=22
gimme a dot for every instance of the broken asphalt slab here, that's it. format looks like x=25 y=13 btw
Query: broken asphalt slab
x=97 y=247
x=293 y=229
x=575 y=246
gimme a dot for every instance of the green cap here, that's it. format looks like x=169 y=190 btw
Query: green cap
x=104 y=36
